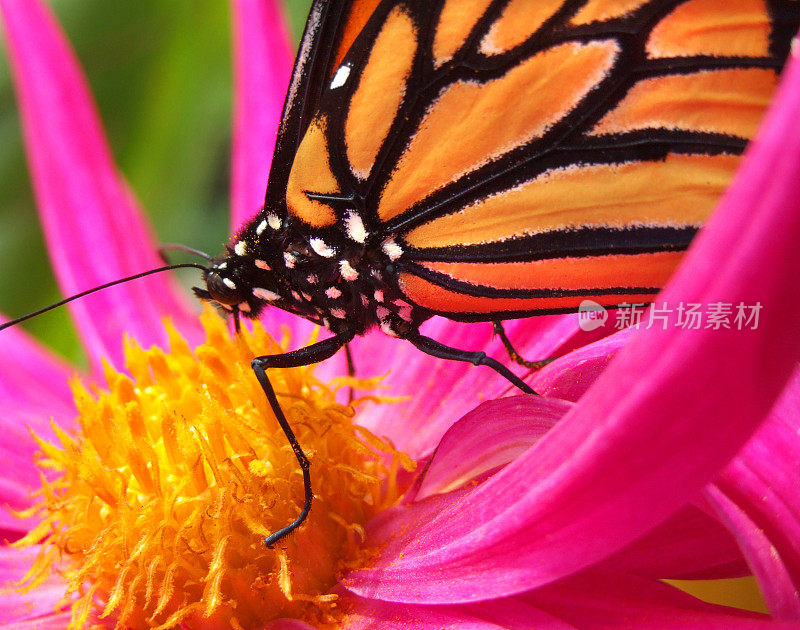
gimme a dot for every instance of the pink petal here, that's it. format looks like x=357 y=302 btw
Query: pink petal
x=33 y=382
x=488 y=437
x=58 y=621
x=496 y=615
x=570 y=376
x=670 y=411
x=288 y=624
x=33 y=390
x=263 y=55
x=592 y=600
x=757 y=495
x=16 y=606
x=19 y=479
x=94 y=231
x=764 y=559
x=440 y=391
x=601 y=599
x=49 y=622
x=688 y=545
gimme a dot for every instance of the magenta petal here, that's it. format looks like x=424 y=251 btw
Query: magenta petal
x=33 y=382
x=33 y=391
x=366 y=614
x=765 y=561
x=570 y=376
x=489 y=436
x=93 y=228
x=288 y=624
x=262 y=57
x=18 y=607
x=600 y=600
x=49 y=622
x=757 y=496
x=688 y=545
x=20 y=479
x=672 y=408
x=440 y=391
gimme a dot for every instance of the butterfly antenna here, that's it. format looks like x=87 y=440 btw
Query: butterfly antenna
x=19 y=320
x=173 y=247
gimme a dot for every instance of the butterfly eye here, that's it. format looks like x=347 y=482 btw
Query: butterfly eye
x=223 y=290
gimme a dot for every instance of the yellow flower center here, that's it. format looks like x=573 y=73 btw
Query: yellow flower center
x=162 y=499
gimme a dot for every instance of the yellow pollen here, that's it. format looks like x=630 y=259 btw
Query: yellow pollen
x=162 y=497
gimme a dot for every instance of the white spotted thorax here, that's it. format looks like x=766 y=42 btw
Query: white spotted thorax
x=341 y=277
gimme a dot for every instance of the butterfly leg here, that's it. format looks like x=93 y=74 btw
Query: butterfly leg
x=512 y=352
x=351 y=369
x=436 y=349
x=305 y=356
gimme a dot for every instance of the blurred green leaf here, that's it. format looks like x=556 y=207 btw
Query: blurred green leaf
x=161 y=75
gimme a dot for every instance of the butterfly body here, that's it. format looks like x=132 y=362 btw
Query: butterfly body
x=342 y=281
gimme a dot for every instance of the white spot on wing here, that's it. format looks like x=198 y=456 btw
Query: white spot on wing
x=341 y=76
x=274 y=221
x=289 y=259
x=261 y=227
x=348 y=273
x=378 y=295
x=261 y=264
x=355 y=227
x=339 y=313
x=392 y=250
x=240 y=249
x=333 y=293
x=322 y=248
x=386 y=327
x=264 y=294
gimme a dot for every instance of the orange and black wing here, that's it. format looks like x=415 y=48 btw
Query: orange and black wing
x=517 y=157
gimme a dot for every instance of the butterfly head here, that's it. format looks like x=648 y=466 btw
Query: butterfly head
x=237 y=283
x=243 y=283
x=225 y=286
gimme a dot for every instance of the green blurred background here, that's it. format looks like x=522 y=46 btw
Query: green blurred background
x=160 y=72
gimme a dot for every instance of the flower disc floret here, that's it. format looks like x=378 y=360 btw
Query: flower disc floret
x=157 y=506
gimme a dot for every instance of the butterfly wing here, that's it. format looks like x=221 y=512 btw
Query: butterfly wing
x=514 y=157
x=329 y=32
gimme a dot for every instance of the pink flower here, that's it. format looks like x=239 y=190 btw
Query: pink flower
x=678 y=459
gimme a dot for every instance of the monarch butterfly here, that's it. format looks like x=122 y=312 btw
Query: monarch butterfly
x=484 y=160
